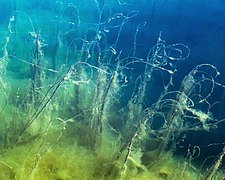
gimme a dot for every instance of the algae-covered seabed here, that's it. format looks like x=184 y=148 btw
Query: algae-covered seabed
x=61 y=155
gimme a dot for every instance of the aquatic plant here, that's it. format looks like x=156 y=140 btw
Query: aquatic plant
x=215 y=166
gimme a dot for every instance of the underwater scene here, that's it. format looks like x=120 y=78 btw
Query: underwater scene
x=112 y=90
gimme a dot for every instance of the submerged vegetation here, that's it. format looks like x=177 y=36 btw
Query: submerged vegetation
x=80 y=102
